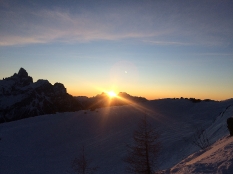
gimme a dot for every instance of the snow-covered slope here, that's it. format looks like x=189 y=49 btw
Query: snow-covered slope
x=49 y=143
x=218 y=158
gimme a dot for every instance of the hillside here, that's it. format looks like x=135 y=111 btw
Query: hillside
x=218 y=158
x=49 y=143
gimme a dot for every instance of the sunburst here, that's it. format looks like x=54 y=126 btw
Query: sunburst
x=112 y=94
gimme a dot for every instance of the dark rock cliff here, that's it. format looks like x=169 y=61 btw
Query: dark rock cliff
x=21 y=98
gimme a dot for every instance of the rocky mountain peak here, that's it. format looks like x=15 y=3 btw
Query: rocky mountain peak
x=21 y=98
x=59 y=88
x=23 y=77
x=22 y=73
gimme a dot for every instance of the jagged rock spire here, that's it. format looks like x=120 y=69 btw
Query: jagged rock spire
x=22 y=73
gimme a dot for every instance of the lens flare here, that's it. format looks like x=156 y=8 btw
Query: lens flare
x=112 y=94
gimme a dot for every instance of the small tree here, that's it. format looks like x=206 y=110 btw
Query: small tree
x=200 y=138
x=142 y=155
x=81 y=165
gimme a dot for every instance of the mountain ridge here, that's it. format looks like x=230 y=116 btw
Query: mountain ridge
x=21 y=98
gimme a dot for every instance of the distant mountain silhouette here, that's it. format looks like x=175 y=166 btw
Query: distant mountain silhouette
x=103 y=100
x=21 y=98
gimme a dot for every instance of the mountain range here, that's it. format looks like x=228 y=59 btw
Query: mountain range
x=20 y=98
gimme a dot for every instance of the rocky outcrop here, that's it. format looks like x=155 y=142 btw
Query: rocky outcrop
x=21 y=98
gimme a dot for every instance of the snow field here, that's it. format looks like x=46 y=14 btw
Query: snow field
x=49 y=143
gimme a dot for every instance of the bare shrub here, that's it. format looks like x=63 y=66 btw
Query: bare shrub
x=200 y=138
x=82 y=165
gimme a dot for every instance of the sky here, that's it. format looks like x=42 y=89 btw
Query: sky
x=150 y=48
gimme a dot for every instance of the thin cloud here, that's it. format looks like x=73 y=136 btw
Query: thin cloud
x=168 y=43
x=216 y=54
x=46 y=26
x=148 y=24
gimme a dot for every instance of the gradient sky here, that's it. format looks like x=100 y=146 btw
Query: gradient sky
x=150 y=48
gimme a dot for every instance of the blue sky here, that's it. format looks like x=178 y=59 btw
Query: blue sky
x=155 y=49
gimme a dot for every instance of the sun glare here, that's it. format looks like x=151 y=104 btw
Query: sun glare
x=112 y=94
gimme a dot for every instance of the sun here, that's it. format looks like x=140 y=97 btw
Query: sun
x=112 y=94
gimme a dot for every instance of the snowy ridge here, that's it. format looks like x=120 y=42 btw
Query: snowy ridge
x=49 y=143
x=218 y=158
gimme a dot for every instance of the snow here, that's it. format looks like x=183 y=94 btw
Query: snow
x=210 y=154
x=216 y=159
x=49 y=143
